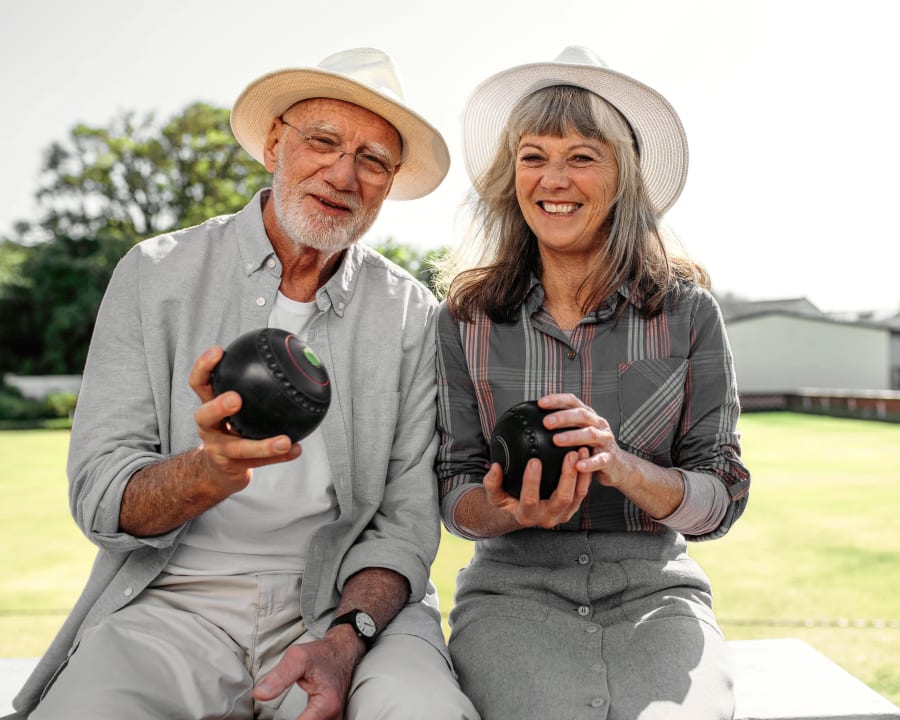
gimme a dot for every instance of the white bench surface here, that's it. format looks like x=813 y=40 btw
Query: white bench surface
x=787 y=679
x=782 y=679
x=13 y=674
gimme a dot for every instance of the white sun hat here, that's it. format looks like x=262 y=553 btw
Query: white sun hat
x=363 y=76
x=661 y=140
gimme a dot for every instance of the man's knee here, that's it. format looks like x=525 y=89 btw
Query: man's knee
x=406 y=677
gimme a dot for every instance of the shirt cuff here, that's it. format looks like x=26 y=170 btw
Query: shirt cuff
x=448 y=510
x=703 y=507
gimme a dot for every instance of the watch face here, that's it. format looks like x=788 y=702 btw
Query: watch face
x=365 y=624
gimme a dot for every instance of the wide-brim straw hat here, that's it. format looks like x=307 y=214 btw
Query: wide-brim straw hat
x=363 y=76
x=661 y=140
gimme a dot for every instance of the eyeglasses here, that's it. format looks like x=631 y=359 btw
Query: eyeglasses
x=372 y=168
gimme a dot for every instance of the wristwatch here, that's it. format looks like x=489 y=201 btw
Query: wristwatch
x=361 y=621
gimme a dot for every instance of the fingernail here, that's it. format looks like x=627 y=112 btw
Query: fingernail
x=282 y=445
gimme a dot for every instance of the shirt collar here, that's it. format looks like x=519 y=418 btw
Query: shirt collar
x=534 y=297
x=253 y=242
x=257 y=254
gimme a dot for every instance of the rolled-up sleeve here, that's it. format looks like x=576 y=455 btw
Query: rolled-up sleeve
x=709 y=443
x=462 y=456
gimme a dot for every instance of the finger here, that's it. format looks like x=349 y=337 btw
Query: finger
x=583 y=484
x=565 y=490
x=581 y=418
x=213 y=413
x=290 y=669
x=493 y=480
x=559 y=401
x=211 y=420
x=530 y=494
x=271 y=450
x=198 y=378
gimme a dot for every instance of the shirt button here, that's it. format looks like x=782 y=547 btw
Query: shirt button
x=598 y=702
x=127 y=592
x=260 y=301
x=249 y=267
x=584 y=559
x=591 y=629
x=597 y=668
x=572 y=355
x=584 y=610
x=270 y=263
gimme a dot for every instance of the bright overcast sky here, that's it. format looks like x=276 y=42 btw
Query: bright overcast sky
x=789 y=105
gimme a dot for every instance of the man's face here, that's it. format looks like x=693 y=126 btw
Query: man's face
x=327 y=157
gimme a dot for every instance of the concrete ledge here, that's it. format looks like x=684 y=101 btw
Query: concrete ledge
x=13 y=674
x=786 y=679
x=783 y=679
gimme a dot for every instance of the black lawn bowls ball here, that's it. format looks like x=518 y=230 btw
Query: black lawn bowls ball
x=520 y=435
x=283 y=385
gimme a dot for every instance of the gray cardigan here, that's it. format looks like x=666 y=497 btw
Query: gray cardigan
x=173 y=296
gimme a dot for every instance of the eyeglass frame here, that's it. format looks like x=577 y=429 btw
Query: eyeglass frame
x=387 y=166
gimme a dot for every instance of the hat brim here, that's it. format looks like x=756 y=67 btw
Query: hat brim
x=660 y=136
x=426 y=158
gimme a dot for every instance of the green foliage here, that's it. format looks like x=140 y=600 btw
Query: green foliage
x=60 y=404
x=100 y=192
x=137 y=178
x=11 y=258
x=16 y=410
x=48 y=309
x=14 y=407
x=407 y=257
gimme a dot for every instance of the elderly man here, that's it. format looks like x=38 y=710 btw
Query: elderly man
x=241 y=578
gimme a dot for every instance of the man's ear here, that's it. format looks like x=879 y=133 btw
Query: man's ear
x=270 y=147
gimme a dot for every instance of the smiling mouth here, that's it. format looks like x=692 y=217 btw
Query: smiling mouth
x=332 y=204
x=556 y=208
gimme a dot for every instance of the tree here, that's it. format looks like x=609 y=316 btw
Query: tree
x=135 y=179
x=99 y=193
x=407 y=257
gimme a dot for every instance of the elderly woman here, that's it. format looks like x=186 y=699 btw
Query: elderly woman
x=585 y=604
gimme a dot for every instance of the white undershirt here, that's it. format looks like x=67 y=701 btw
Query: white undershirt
x=266 y=528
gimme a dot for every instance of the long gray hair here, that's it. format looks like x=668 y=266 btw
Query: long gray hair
x=490 y=271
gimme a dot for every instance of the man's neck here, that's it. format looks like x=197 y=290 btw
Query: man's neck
x=304 y=269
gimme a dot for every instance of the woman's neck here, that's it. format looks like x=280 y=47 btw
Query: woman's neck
x=561 y=282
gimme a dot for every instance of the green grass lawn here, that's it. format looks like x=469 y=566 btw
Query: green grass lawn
x=816 y=555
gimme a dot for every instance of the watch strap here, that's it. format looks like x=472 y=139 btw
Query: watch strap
x=349 y=618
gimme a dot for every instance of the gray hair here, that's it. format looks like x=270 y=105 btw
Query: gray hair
x=491 y=269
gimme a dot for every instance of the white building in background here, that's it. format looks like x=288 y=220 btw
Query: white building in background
x=37 y=387
x=786 y=350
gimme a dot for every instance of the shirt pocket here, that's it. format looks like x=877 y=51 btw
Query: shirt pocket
x=651 y=397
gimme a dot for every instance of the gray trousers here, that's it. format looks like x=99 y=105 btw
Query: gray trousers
x=575 y=625
x=193 y=647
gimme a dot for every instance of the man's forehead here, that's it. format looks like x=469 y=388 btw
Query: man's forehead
x=331 y=109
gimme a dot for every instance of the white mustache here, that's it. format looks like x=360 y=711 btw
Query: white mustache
x=350 y=201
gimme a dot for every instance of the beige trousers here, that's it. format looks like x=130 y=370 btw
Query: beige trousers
x=193 y=647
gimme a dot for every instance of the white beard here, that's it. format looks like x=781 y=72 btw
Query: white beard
x=321 y=232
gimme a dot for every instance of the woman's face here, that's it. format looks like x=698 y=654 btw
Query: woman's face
x=565 y=188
